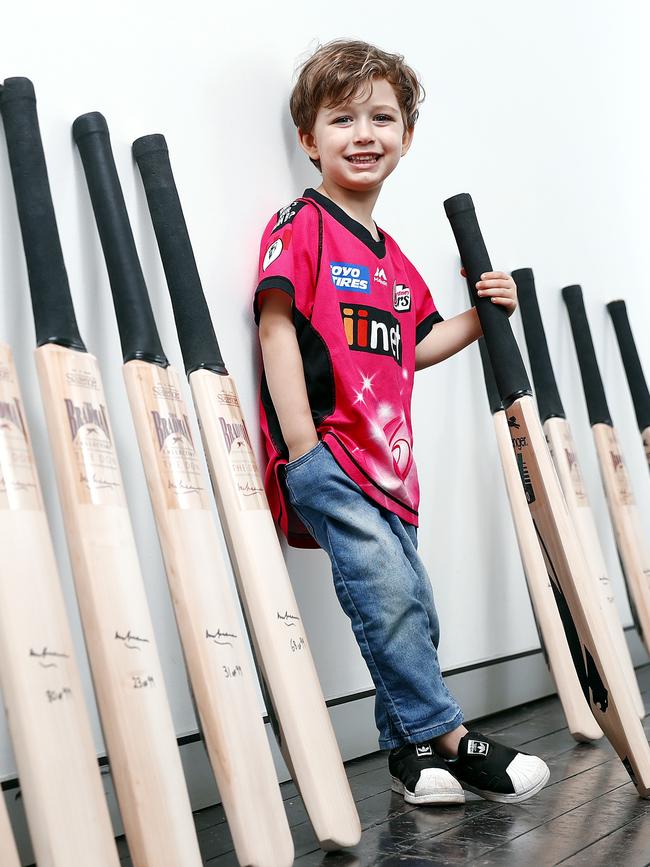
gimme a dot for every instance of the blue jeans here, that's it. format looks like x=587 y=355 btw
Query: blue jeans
x=384 y=589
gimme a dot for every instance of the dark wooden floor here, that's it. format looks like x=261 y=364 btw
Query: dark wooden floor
x=588 y=814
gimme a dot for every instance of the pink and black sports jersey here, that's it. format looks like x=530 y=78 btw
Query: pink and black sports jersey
x=359 y=308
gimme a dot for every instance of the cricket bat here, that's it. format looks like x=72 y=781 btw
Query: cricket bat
x=207 y=613
x=306 y=735
x=564 y=454
x=597 y=666
x=633 y=370
x=41 y=686
x=555 y=627
x=632 y=547
x=8 y=852
x=136 y=718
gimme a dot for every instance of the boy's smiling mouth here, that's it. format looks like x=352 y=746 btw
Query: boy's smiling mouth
x=363 y=159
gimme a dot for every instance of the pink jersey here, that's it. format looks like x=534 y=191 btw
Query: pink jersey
x=359 y=308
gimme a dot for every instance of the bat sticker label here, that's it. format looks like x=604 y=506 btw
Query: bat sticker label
x=239 y=451
x=19 y=487
x=90 y=440
x=621 y=478
x=178 y=464
x=577 y=480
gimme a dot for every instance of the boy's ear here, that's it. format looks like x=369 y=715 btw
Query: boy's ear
x=308 y=144
x=407 y=139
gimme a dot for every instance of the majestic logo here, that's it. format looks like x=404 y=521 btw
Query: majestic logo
x=478 y=748
x=368 y=329
x=287 y=214
x=86 y=414
x=401 y=297
x=423 y=750
x=233 y=432
x=11 y=412
x=380 y=277
x=166 y=426
x=354 y=278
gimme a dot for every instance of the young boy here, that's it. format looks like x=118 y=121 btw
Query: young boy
x=344 y=321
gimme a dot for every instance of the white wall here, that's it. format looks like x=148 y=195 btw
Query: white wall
x=538 y=110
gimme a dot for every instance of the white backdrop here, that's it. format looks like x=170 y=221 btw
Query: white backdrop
x=538 y=111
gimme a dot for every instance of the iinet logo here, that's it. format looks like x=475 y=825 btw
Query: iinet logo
x=368 y=329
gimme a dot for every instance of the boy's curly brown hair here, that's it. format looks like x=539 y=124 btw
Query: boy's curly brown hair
x=340 y=69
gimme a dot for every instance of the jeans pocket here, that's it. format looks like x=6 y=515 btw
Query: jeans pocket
x=298 y=462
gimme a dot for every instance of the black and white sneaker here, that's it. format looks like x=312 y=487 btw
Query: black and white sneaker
x=496 y=772
x=422 y=776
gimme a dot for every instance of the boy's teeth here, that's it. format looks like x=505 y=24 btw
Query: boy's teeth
x=365 y=159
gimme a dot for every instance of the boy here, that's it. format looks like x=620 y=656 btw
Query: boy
x=344 y=321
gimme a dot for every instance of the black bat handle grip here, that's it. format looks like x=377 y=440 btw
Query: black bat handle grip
x=589 y=371
x=138 y=332
x=631 y=362
x=54 y=315
x=507 y=364
x=493 y=396
x=193 y=323
x=546 y=392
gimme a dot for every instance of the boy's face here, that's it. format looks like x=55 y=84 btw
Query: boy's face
x=359 y=143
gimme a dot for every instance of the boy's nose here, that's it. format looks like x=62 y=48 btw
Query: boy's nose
x=363 y=131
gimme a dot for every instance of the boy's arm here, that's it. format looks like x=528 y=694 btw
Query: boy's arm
x=447 y=338
x=451 y=335
x=285 y=375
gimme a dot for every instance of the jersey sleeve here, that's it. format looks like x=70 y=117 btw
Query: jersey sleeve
x=290 y=256
x=426 y=313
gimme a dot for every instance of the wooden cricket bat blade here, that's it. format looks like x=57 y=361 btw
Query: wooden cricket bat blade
x=48 y=722
x=633 y=371
x=593 y=653
x=553 y=637
x=223 y=686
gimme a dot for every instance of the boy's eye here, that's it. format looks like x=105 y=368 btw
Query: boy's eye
x=384 y=118
x=344 y=118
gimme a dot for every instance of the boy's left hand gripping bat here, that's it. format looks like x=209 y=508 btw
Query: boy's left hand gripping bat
x=41 y=686
x=136 y=718
x=598 y=669
x=306 y=735
x=206 y=610
x=633 y=370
